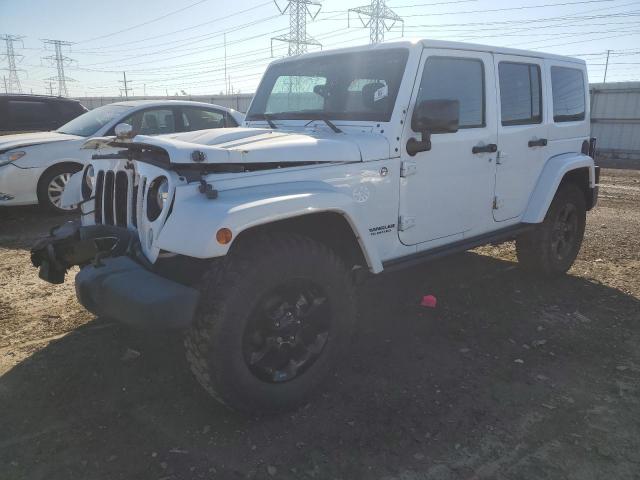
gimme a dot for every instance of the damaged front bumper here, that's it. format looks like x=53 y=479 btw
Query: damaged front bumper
x=111 y=283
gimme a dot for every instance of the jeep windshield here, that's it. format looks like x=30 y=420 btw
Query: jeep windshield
x=89 y=123
x=342 y=86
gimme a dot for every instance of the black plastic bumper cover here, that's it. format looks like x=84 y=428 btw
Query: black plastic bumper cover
x=125 y=291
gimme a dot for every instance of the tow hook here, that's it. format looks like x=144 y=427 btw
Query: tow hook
x=71 y=244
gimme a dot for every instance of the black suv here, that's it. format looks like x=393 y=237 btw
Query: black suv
x=30 y=113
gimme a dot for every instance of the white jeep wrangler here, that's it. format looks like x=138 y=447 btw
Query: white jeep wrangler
x=350 y=162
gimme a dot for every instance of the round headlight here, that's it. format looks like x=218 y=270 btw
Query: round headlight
x=90 y=177
x=157 y=197
x=162 y=193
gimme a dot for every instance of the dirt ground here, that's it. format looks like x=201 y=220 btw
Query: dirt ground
x=509 y=377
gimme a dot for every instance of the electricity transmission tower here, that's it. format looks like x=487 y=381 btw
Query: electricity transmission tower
x=12 y=84
x=378 y=17
x=60 y=61
x=297 y=38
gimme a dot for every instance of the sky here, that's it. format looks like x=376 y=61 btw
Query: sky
x=178 y=46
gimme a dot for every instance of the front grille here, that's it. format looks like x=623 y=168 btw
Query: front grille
x=98 y=196
x=117 y=198
x=120 y=194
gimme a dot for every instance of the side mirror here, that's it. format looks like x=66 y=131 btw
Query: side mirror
x=124 y=131
x=433 y=116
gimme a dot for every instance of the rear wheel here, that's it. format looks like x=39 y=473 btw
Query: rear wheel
x=552 y=247
x=273 y=320
x=52 y=185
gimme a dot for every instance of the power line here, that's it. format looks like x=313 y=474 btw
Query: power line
x=297 y=38
x=378 y=15
x=13 y=83
x=144 y=23
x=191 y=27
x=60 y=61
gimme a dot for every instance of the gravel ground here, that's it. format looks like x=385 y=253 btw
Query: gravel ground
x=509 y=377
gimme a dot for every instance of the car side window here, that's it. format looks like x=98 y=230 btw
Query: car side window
x=520 y=93
x=452 y=78
x=27 y=112
x=154 y=121
x=194 y=118
x=568 y=90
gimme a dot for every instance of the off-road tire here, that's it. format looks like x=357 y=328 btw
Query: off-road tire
x=535 y=249
x=46 y=179
x=230 y=291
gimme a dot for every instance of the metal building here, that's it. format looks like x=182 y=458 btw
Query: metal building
x=615 y=122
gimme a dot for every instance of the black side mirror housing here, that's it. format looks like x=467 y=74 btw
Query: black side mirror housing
x=433 y=116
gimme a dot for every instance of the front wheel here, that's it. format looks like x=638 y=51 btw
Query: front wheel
x=52 y=185
x=552 y=247
x=274 y=318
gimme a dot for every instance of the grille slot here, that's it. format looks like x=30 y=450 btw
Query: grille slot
x=109 y=180
x=121 y=191
x=98 y=200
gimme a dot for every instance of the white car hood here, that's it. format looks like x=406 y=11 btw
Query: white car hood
x=260 y=145
x=10 y=142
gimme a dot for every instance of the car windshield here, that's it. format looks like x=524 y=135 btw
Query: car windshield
x=89 y=123
x=342 y=86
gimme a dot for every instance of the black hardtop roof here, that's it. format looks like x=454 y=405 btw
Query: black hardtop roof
x=26 y=96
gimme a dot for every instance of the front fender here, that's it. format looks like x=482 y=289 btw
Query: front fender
x=552 y=173
x=191 y=228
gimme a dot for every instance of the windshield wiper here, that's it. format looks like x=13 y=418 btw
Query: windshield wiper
x=329 y=123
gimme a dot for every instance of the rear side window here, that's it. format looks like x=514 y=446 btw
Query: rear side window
x=24 y=112
x=567 y=85
x=462 y=79
x=520 y=93
x=194 y=118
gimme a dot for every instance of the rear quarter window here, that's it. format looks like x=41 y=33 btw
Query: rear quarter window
x=69 y=110
x=569 y=94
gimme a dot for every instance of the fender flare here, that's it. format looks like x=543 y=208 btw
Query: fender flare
x=549 y=180
x=191 y=228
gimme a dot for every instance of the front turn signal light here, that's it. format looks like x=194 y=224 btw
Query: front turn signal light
x=224 y=236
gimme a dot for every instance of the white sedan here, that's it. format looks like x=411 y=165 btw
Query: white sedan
x=35 y=167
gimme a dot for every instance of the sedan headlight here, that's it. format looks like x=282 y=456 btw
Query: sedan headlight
x=10 y=157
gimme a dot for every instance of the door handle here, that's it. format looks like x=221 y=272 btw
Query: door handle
x=541 y=142
x=490 y=148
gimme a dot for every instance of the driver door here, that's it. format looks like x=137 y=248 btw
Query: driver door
x=446 y=193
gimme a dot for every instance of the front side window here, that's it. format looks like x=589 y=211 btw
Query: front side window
x=462 y=79
x=89 y=123
x=343 y=86
x=567 y=86
x=152 y=122
x=520 y=93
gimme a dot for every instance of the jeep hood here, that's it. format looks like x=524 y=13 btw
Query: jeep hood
x=20 y=140
x=259 y=145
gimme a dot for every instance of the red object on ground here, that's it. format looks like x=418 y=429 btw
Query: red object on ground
x=429 y=301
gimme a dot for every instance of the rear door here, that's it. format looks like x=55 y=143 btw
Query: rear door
x=448 y=190
x=522 y=133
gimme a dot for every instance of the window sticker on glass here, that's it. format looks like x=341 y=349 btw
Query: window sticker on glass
x=380 y=93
